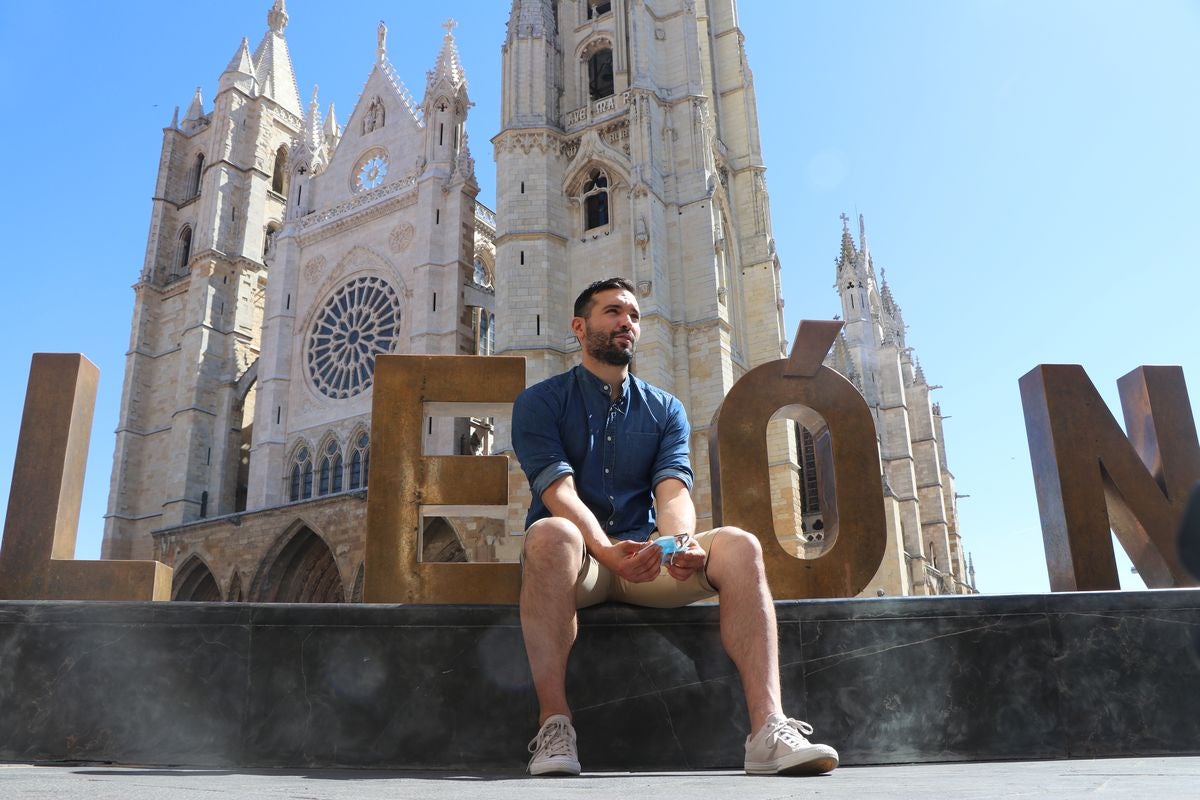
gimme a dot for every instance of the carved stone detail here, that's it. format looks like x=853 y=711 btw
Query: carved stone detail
x=313 y=269
x=401 y=237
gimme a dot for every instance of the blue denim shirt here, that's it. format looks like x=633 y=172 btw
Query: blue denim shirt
x=617 y=451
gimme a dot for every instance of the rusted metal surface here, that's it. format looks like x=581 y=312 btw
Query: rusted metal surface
x=1090 y=477
x=404 y=480
x=813 y=339
x=741 y=487
x=36 y=556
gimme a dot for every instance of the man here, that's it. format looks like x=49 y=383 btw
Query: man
x=607 y=459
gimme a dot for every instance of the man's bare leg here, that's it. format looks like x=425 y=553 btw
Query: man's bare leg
x=553 y=553
x=735 y=568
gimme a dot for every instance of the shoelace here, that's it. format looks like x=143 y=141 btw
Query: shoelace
x=552 y=740
x=789 y=732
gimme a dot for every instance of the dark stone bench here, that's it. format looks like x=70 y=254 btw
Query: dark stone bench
x=447 y=687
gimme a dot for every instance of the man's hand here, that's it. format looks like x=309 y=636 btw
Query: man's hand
x=633 y=561
x=687 y=562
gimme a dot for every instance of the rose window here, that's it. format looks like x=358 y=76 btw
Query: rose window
x=360 y=320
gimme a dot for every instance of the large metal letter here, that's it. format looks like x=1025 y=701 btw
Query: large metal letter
x=36 y=556
x=1090 y=477
x=741 y=489
x=404 y=481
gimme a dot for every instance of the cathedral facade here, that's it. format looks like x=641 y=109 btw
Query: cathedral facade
x=286 y=251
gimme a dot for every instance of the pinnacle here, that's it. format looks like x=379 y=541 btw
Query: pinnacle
x=196 y=109
x=241 y=61
x=448 y=64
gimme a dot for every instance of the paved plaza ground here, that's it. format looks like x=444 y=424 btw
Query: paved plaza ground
x=1154 y=778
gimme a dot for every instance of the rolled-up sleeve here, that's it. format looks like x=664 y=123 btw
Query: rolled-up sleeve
x=673 y=460
x=536 y=441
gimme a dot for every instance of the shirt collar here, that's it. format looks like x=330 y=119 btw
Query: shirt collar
x=589 y=379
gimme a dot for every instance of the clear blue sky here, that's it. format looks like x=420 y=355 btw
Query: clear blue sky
x=1029 y=172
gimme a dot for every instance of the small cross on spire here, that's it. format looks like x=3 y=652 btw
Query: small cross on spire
x=450 y=25
x=845 y=221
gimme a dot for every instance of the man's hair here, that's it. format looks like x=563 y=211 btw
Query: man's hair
x=585 y=301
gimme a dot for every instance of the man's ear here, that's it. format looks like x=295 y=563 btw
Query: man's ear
x=577 y=327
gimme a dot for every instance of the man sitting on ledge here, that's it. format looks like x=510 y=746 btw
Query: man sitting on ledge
x=606 y=455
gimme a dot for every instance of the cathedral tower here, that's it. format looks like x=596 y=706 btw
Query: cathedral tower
x=629 y=146
x=182 y=435
x=925 y=553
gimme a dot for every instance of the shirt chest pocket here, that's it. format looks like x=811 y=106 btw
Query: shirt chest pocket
x=635 y=457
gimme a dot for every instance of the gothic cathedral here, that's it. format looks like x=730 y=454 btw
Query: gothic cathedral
x=286 y=251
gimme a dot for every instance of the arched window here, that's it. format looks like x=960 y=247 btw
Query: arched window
x=486 y=344
x=595 y=200
x=269 y=238
x=598 y=8
x=331 y=469
x=183 y=252
x=196 y=176
x=600 y=74
x=278 y=182
x=301 y=484
x=360 y=461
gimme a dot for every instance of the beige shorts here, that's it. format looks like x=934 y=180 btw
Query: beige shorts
x=597 y=584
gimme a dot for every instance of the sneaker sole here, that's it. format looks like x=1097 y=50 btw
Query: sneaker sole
x=814 y=766
x=552 y=769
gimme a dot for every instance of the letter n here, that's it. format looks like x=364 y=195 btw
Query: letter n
x=1090 y=478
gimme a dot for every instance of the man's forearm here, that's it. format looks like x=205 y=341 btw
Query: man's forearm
x=675 y=512
x=563 y=500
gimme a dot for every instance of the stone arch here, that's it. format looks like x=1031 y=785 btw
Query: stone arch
x=194 y=581
x=299 y=568
x=235 y=594
x=280 y=171
x=441 y=542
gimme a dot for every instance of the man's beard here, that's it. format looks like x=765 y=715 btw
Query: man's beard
x=601 y=347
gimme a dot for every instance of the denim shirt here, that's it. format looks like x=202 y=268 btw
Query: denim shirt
x=617 y=451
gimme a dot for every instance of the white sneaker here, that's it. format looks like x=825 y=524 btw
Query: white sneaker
x=780 y=748
x=553 y=748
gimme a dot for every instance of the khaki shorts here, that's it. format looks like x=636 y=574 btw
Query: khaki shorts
x=597 y=584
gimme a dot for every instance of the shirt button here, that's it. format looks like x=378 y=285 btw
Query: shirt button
x=606 y=469
x=610 y=497
x=610 y=438
x=607 y=388
x=610 y=523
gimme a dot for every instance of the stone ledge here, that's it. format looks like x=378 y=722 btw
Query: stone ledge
x=887 y=680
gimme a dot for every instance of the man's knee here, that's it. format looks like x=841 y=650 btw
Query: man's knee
x=736 y=546
x=550 y=540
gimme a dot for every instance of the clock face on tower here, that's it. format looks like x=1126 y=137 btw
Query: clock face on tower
x=371 y=170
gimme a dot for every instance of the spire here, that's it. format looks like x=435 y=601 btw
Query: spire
x=240 y=72
x=918 y=373
x=448 y=65
x=331 y=126
x=273 y=63
x=310 y=137
x=175 y=118
x=862 y=236
x=195 y=118
x=241 y=61
x=849 y=254
x=196 y=109
x=381 y=49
